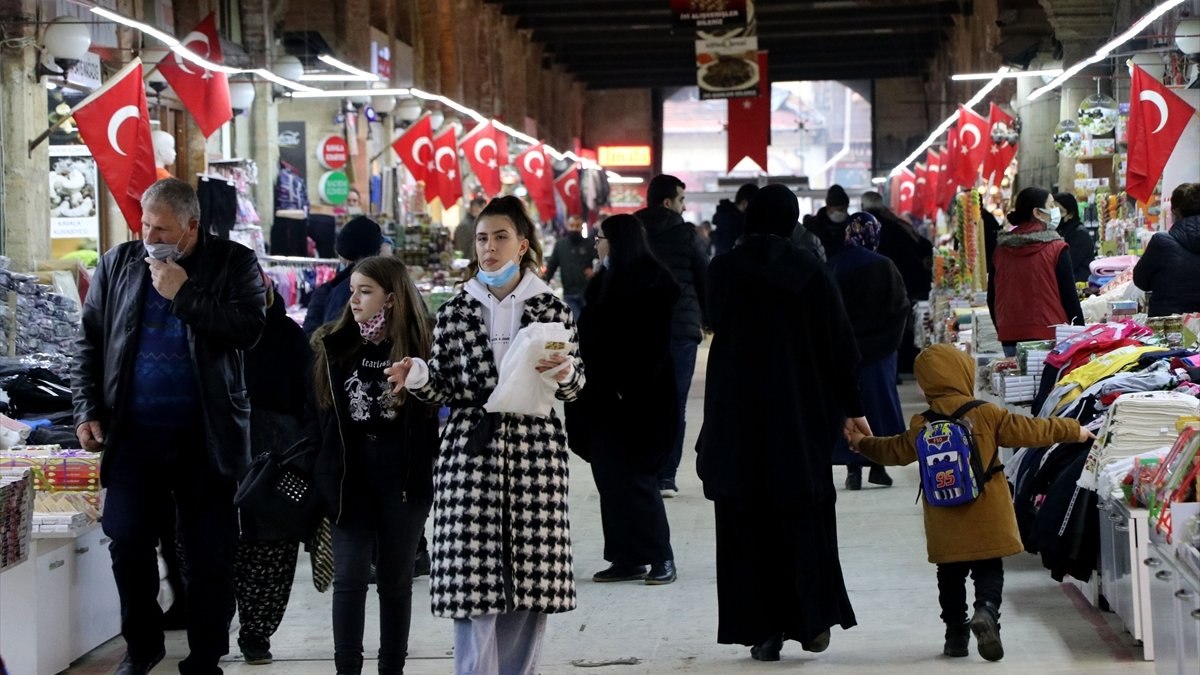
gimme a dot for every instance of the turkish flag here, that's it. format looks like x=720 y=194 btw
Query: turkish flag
x=918 y=203
x=1000 y=155
x=536 y=174
x=446 y=166
x=115 y=125
x=749 y=128
x=486 y=152
x=906 y=191
x=567 y=186
x=933 y=181
x=973 y=143
x=1157 y=118
x=415 y=148
x=205 y=93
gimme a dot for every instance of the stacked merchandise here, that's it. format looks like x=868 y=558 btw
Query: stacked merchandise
x=1107 y=270
x=49 y=321
x=986 y=340
x=1136 y=424
x=16 y=516
x=66 y=485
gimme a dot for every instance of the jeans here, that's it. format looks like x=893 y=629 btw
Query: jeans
x=952 y=587
x=143 y=474
x=683 y=358
x=575 y=302
x=391 y=542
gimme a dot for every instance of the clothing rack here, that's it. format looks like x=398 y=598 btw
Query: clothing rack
x=298 y=261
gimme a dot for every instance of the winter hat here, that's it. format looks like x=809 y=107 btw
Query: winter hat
x=774 y=210
x=360 y=238
x=863 y=230
x=837 y=197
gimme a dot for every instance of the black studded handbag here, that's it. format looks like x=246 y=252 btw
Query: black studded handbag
x=278 y=489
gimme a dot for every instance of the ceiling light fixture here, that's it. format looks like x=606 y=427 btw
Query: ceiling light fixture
x=336 y=77
x=965 y=77
x=1108 y=47
x=346 y=93
x=997 y=78
x=346 y=67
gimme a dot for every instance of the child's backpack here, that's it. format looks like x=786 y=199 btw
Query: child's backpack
x=951 y=469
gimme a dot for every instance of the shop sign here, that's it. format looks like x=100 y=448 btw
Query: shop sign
x=708 y=13
x=334 y=187
x=624 y=155
x=333 y=152
x=727 y=67
x=74 y=198
x=86 y=73
x=381 y=60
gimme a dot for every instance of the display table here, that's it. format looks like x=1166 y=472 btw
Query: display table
x=1126 y=566
x=1175 y=599
x=59 y=604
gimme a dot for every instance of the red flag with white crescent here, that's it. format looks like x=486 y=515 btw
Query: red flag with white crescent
x=415 y=149
x=1157 y=118
x=537 y=175
x=482 y=147
x=205 y=93
x=115 y=124
x=567 y=186
x=446 y=166
x=933 y=181
x=906 y=191
x=1000 y=153
x=973 y=144
x=918 y=204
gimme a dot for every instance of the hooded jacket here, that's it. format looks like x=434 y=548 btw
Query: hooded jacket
x=730 y=224
x=1032 y=289
x=1168 y=269
x=677 y=245
x=986 y=527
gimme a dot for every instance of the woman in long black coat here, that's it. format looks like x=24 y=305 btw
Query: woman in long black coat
x=624 y=420
x=781 y=383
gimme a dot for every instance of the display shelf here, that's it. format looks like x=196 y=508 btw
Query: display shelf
x=72 y=534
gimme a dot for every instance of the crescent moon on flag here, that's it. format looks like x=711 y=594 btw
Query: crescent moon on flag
x=194 y=36
x=437 y=158
x=484 y=143
x=571 y=183
x=541 y=163
x=970 y=129
x=115 y=122
x=1161 y=103
x=416 y=150
x=911 y=189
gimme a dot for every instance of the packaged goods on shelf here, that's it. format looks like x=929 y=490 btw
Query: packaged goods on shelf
x=49 y=321
x=16 y=516
x=56 y=469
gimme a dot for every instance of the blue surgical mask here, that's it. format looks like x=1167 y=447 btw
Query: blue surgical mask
x=500 y=277
x=1055 y=217
x=604 y=262
x=162 y=252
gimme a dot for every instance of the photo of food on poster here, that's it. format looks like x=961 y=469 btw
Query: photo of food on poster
x=73 y=200
x=727 y=68
x=708 y=13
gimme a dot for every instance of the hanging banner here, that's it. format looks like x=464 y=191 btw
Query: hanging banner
x=749 y=128
x=727 y=68
x=708 y=13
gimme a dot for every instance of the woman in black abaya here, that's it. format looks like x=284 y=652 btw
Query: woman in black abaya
x=781 y=383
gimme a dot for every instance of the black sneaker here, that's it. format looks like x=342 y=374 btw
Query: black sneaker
x=129 y=666
x=879 y=476
x=768 y=650
x=854 y=480
x=986 y=628
x=818 y=644
x=662 y=573
x=256 y=652
x=422 y=565
x=667 y=488
x=618 y=572
x=958 y=640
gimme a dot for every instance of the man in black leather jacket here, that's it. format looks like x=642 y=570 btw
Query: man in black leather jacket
x=159 y=388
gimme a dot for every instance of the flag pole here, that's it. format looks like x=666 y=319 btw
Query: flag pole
x=137 y=62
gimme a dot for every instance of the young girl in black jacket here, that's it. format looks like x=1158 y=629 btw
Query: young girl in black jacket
x=374 y=469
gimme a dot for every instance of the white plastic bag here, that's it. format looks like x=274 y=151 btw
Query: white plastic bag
x=522 y=390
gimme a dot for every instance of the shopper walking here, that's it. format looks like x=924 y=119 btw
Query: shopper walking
x=573 y=256
x=781 y=381
x=873 y=293
x=159 y=386
x=624 y=422
x=501 y=538
x=829 y=224
x=1079 y=240
x=1033 y=288
x=277 y=381
x=677 y=245
x=464 y=234
x=1167 y=271
x=912 y=254
x=358 y=239
x=375 y=462
x=730 y=219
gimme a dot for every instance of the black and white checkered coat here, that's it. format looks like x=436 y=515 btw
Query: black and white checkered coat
x=501 y=538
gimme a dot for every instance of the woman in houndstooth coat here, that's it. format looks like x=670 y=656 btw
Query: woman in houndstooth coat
x=501 y=542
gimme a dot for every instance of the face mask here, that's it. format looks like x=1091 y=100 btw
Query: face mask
x=164 y=252
x=500 y=277
x=372 y=328
x=838 y=217
x=1055 y=218
x=604 y=262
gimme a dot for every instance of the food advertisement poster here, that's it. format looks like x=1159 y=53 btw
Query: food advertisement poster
x=73 y=193
x=708 y=13
x=727 y=67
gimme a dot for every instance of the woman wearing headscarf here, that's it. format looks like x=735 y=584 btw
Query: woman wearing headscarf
x=782 y=381
x=1033 y=287
x=874 y=295
x=626 y=418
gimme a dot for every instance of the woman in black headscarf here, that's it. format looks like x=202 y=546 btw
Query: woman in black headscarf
x=781 y=383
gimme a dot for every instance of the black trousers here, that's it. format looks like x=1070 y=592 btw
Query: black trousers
x=143 y=474
x=632 y=514
x=952 y=587
x=390 y=540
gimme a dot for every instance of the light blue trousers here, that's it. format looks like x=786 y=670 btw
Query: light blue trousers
x=499 y=644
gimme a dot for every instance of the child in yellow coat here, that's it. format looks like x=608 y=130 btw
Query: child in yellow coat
x=970 y=538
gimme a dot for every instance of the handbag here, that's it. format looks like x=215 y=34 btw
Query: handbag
x=278 y=490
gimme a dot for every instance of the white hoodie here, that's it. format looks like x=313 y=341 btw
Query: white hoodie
x=502 y=318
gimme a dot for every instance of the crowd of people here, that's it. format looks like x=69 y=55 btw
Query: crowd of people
x=188 y=367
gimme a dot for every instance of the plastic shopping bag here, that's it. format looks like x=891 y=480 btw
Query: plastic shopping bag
x=522 y=389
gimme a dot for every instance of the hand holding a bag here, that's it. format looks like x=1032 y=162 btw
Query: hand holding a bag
x=555 y=360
